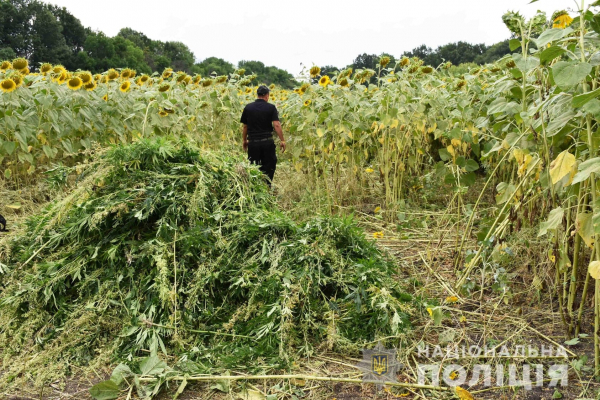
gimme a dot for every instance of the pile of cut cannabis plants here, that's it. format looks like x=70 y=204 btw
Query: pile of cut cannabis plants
x=161 y=247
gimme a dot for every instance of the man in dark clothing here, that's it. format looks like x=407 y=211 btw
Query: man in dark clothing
x=260 y=118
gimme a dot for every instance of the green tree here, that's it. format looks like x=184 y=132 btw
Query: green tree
x=47 y=40
x=268 y=75
x=213 y=65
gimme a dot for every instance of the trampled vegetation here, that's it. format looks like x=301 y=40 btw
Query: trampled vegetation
x=523 y=130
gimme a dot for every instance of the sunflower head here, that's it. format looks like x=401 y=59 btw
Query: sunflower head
x=112 y=74
x=306 y=86
x=248 y=90
x=427 y=70
x=90 y=86
x=86 y=77
x=25 y=71
x=58 y=69
x=314 y=71
x=345 y=73
x=132 y=73
x=207 y=82
x=221 y=79
x=196 y=79
x=561 y=19
x=181 y=76
x=384 y=61
x=461 y=84
x=163 y=113
x=45 y=68
x=404 y=62
x=307 y=103
x=240 y=72
x=97 y=77
x=8 y=85
x=165 y=87
x=75 y=83
x=187 y=80
x=17 y=78
x=126 y=73
x=105 y=97
x=511 y=64
x=167 y=73
x=20 y=63
x=344 y=82
x=448 y=64
x=144 y=78
x=125 y=86
x=5 y=65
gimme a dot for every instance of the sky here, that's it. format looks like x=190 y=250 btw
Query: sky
x=291 y=33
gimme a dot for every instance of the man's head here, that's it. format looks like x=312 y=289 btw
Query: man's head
x=262 y=92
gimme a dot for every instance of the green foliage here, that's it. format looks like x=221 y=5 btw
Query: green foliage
x=268 y=75
x=162 y=247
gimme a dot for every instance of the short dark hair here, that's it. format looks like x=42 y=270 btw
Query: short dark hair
x=262 y=90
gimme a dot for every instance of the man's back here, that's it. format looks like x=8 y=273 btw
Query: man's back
x=259 y=117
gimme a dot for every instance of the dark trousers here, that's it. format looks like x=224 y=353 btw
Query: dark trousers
x=264 y=155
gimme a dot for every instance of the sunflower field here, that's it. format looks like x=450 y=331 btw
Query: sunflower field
x=525 y=130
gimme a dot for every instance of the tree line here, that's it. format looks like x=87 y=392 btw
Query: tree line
x=457 y=53
x=43 y=32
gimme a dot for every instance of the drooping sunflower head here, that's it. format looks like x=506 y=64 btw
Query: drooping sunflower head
x=58 y=69
x=384 y=61
x=344 y=82
x=461 y=84
x=196 y=79
x=75 y=83
x=105 y=97
x=240 y=72
x=126 y=73
x=561 y=19
x=307 y=103
x=132 y=73
x=5 y=65
x=187 y=80
x=125 y=86
x=448 y=64
x=24 y=71
x=165 y=87
x=514 y=22
x=404 y=62
x=248 y=90
x=181 y=76
x=8 y=85
x=17 y=78
x=345 y=73
x=167 y=73
x=427 y=70
x=306 y=86
x=314 y=71
x=221 y=79
x=112 y=74
x=86 y=77
x=20 y=63
x=163 y=113
x=90 y=86
x=45 y=68
x=207 y=82
x=272 y=86
x=143 y=79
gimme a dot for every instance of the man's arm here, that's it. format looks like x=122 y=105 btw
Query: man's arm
x=277 y=127
x=245 y=137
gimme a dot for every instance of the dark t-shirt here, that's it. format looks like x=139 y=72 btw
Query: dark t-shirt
x=259 y=117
